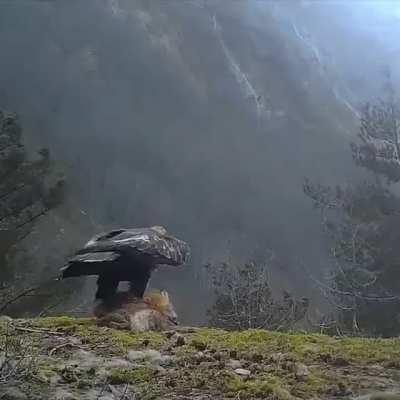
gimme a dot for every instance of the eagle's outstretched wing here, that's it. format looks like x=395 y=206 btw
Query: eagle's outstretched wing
x=120 y=252
x=153 y=243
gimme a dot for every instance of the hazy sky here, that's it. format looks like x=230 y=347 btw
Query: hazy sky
x=202 y=116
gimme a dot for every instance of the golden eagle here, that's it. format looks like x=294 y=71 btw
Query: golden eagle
x=126 y=255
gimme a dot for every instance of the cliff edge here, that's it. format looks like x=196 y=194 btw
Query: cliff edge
x=66 y=358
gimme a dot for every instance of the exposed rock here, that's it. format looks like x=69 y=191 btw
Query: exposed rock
x=152 y=356
x=207 y=364
x=234 y=364
x=167 y=360
x=242 y=372
x=117 y=363
x=145 y=355
x=134 y=355
x=301 y=371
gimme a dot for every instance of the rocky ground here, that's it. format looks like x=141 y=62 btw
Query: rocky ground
x=66 y=358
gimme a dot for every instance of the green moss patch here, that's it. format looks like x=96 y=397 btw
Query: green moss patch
x=116 y=341
x=306 y=347
x=202 y=365
x=121 y=376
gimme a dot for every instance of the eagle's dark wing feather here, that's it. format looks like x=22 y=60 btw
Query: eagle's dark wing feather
x=145 y=242
x=126 y=255
x=90 y=263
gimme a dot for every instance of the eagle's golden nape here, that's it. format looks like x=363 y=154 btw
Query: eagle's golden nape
x=128 y=255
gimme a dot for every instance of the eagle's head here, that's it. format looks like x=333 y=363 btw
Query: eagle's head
x=160 y=301
x=159 y=229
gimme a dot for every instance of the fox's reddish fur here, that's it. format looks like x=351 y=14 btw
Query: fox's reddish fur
x=124 y=311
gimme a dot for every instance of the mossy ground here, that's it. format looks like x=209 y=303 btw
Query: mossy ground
x=334 y=366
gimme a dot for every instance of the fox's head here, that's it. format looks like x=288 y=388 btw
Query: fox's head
x=160 y=301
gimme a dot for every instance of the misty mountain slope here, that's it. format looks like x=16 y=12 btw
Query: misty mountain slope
x=196 y=115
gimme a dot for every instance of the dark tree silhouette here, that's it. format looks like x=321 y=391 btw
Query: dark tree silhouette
x=28 y=190
x=363 y=222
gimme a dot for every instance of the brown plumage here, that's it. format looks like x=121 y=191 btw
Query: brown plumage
x=124 y=311
x=126 y=255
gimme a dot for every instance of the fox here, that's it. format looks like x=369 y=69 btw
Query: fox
x=153 y=312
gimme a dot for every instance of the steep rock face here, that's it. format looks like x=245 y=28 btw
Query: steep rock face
x=197 y=115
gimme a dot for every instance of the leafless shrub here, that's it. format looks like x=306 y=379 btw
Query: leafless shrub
x=243 y=300
x=17 y=356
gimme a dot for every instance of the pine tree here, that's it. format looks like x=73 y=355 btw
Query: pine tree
x=363 y=222
x=28 y=190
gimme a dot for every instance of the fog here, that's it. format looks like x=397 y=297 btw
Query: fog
x=202 y=116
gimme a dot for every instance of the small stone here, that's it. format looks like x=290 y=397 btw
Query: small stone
x=150 y=355
x=167 y=361
x=134 y=355
x=13 y=393
x=242 y=372
x=301 y=371
x=206 y=364
x=116 y=363
x=234 y=364
x=153 y=356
